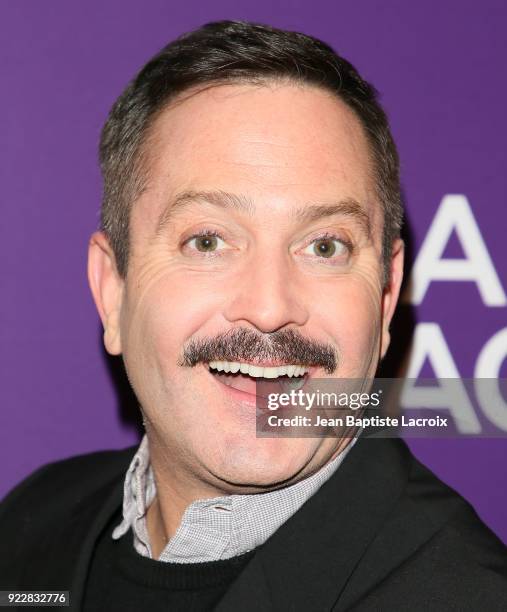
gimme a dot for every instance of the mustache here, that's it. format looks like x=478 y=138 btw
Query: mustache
x=243 y=344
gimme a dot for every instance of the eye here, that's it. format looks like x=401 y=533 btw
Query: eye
x=205 y=243
x=327 y=247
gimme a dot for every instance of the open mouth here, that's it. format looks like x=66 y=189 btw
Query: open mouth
x=259 y=380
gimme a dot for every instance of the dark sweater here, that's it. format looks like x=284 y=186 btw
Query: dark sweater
x=121 y=579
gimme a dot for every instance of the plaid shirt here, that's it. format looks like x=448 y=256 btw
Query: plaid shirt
x=218 y=528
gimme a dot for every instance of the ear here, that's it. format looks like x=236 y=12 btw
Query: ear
x=391 y=293
x=107 y=289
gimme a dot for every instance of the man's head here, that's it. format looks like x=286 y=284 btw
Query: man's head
x=251 y=215
x=233 y=52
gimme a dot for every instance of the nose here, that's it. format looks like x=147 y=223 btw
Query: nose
x=266 y=295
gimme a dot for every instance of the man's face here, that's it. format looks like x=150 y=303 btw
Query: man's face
x=260 y=219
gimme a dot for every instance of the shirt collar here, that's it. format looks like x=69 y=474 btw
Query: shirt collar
x=218 y=528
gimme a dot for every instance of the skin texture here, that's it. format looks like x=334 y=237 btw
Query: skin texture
x=283 y=147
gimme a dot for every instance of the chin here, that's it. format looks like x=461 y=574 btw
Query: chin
x=269 y=463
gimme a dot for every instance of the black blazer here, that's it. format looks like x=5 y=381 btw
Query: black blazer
x=382 y=534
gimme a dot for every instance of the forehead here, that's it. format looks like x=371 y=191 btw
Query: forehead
x=277 y=144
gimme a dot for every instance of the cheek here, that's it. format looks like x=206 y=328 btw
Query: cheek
x=352 y=319
x=165 y=312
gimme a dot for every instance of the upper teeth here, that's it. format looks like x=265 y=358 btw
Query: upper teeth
x=258 y=371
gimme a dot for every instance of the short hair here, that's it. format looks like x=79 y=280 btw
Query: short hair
x=235 y=52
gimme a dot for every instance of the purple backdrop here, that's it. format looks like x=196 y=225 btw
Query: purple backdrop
x=440 y=68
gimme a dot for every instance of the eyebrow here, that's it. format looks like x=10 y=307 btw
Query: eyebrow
x=220 y=199
x=348 y=207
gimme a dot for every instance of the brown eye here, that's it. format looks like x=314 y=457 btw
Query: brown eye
x=206 y=243
x=328 y=247
x=325 y=247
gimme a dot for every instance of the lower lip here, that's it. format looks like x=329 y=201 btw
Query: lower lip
x=256 y=401
x=239 y=396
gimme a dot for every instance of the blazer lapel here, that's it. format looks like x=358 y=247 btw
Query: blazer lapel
x=61 y=557
x=307 y=563
x=93 y=519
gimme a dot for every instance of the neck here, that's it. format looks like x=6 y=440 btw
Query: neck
x=176 y=490
x=156 y=529
x=175 y=493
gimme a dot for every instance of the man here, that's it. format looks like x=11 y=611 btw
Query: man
x=250 y=232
